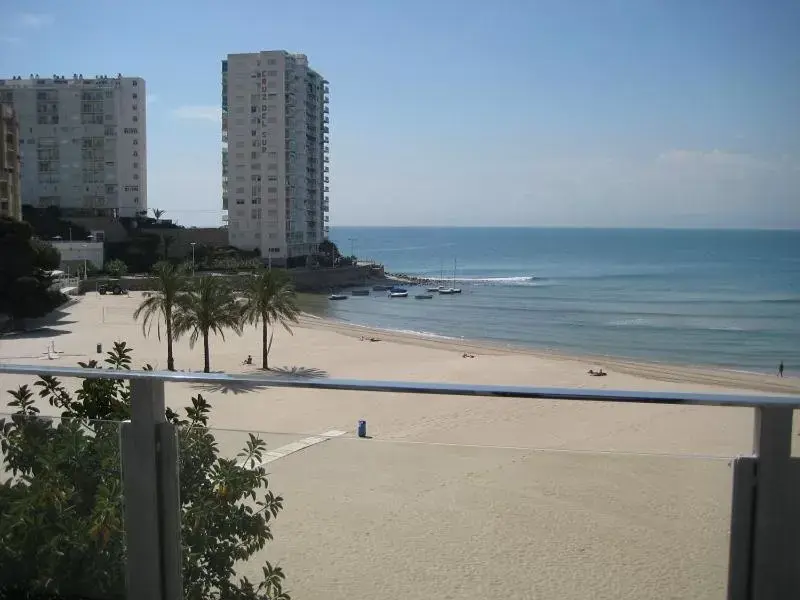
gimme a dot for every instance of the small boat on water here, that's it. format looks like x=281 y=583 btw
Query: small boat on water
x=381 y=288
x=403 y=294
x=360 y=292
x=434 y=289
x=338 y=297
x=453 y=289
x=423 y=296
x=395 y=288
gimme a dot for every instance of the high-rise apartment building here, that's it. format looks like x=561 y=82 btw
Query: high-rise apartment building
x=275 y=165
x=9 y=164
x=82 y=143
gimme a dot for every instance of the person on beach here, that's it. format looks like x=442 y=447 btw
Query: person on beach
x=780 y=369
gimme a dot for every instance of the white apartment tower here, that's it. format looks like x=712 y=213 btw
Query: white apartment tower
x=275 y=165
x=82 y=143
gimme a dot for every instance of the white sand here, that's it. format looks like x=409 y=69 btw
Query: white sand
x=452 y=497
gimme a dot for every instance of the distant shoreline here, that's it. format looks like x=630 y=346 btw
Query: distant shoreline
x=654 y=370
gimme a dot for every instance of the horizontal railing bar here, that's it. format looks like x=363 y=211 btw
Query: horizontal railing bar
x=409 y=387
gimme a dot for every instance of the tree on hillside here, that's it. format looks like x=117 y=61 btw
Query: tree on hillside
x=270 y=298
x=24 y=281
x=161 y=305
x=328 y=253
x=209 y=307
x=62 y=528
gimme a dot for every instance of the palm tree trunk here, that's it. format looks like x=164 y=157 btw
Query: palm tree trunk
x=207 y=358
x=264 y=347
x=170 y=358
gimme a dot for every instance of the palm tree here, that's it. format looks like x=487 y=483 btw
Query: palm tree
x=269 y=298
x=209 y=308
x=158 y=213
x=160 y=305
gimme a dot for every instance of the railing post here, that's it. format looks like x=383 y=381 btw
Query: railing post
x=149 y=473
x=775 y=558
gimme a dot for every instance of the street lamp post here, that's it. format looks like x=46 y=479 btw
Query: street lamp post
x=192 y=244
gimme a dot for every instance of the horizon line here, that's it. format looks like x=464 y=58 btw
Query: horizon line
x=643 y=227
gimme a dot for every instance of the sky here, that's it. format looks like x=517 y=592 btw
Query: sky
x=634 y=113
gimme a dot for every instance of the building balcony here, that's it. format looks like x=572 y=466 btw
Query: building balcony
x=326 y=111
x=325 y=139
x=612 y=518
x=325 y=130
x=326 y=179
x=326 y=149
x=326 y=169
x=325 y=189
x=326 y=159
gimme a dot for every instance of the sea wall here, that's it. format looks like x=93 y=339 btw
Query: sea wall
x=305 y=280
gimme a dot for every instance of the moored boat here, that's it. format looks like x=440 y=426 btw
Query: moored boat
x=337 y=297
x=403 y=294
x=423 y=296
x=360 y=292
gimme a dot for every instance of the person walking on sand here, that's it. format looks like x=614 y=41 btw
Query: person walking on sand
x=780 y=369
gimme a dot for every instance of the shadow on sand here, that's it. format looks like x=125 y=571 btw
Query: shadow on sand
x=39 y=332
x=299 y=372
x=236 y=388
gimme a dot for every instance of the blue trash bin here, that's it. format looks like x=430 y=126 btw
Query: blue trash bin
x=362 y=429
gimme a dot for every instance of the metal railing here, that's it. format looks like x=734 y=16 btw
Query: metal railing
x=764 y=551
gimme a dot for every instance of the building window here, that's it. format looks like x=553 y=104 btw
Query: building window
x=135 y=165
x=136 y=153
x=135 y=95
x=135 y=118
x=240 y=201
x=135 y=107
x=240 y=190
x=272 y=190
x=136 y=176
x=135 y=83
x=135 y=142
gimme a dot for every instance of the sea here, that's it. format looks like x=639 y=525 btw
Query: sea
x=723 y=298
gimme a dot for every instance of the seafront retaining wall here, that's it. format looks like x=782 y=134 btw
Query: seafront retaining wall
x=305 y=280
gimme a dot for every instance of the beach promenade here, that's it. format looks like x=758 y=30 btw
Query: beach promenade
x=458 y=496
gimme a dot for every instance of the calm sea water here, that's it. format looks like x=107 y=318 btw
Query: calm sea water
x=724 y=298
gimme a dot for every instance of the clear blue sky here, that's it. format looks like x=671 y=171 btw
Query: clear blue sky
x=444 y=112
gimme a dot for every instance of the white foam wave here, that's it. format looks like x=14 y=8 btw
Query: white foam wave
x=527 y=280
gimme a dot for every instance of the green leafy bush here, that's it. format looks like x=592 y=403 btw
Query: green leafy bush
x=116 y=268
x=61 y=530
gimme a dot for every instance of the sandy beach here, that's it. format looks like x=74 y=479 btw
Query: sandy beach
x=459 y=496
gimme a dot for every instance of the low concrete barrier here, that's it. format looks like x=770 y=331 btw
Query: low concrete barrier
x=305 y=280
